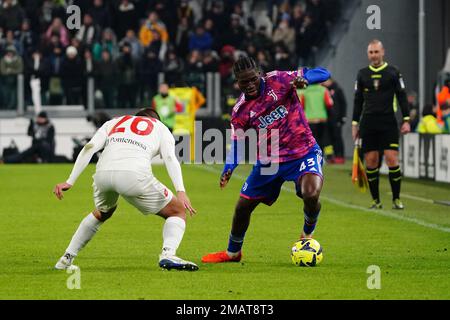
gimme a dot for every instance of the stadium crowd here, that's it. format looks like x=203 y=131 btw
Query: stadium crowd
x=137 y=39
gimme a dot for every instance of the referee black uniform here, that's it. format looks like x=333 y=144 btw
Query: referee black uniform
x=376 y=90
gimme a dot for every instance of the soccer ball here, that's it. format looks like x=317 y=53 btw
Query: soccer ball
x=306 y=253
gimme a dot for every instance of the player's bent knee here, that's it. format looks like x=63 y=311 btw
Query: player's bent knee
x=311 y=195
x=103 y=216
x=175 y=208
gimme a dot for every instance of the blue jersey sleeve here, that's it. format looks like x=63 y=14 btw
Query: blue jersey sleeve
x=316 y=75
x=234 y=157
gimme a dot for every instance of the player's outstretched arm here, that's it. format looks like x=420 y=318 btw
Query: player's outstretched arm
x=84 y=157
x=167 y=150
x=231 y=162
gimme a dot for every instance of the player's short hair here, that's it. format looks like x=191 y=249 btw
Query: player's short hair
x=244 y=63
x=376 y=41
x=148 y=112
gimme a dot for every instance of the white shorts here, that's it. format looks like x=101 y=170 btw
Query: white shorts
x=144 y=192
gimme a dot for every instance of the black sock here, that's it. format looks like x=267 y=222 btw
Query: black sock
x=395 y=178
x=373 y=175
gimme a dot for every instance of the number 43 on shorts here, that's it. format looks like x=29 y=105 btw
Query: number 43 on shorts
x=312 y=164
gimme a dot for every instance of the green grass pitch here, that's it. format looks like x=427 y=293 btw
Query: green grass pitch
x=410 y=247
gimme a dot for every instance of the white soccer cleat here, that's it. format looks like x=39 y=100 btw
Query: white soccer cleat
x=65 y=263
x=170 y=262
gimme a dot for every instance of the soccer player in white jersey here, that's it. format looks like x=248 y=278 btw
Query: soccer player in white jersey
x=124 y=168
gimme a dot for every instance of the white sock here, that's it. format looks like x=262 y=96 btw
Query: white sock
x=87 y=229
x=173 y=232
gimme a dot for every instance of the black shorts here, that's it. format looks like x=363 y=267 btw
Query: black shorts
x=379 y=133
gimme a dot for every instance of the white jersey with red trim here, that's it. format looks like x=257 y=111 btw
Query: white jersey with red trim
x=130 y=143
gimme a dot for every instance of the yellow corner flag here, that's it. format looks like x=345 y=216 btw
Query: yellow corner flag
x=359 y=177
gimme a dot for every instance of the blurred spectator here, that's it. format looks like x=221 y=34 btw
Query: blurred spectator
x=72 y=76
x=165 y=104
x=264 y=61
x=429 y=124
x=297 y=17
x=74 y=42
x=27 y=38
x=32 y=11
x=149 y=68
x=88 y=73
x=251 y=51
x=158 y=46
x=218 y=16
x=133 y=41
x=126 y=18
x=442 y=97
x=167 y=15
x=234 y=33
x=444 y=94
x=10 y=66
x=336 y=119
x=316 y=100
x=173 y=67
x=127 y=82
x=153 y=23
x=182 y=38
x=11 y=15
x=88 y=32
x=226 y=63
x=284 y=33
x=11 y=41
x=304 y=41
x=282 y=58
x=100 y=14
x=195 y=76
x=200 y=40
x=54 y=55
x=284 y=8
x=261 y=39
x=210 y=61
x=105 y=72
x=36 y=67
x=413 y=110
x=446 y=116
x=57 y=27
x=108 y=42
x=184 y=11
x=241 y=10
x=43 y=144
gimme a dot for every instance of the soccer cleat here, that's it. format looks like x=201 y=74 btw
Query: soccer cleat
x=219 y=257
x=173 y=262
x=398 y=204
x=376 y=204
x=66 y=263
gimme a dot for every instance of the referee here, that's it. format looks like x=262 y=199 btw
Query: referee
x=374 y=120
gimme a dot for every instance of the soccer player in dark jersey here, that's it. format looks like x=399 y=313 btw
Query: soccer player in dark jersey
x=374 y=120
x=269 y=104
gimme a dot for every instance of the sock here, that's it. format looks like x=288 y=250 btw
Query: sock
x=310 y=222
x=373 y=175
x=173 y=232
x=235 y=244
x=395 y=178
x=86 y=230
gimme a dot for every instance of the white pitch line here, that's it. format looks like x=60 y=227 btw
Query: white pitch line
x=384 y=213
x=407 y=196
